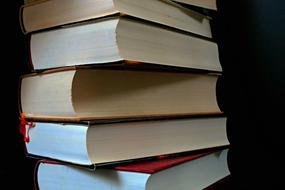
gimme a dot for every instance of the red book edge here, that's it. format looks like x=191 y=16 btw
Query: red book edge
x=146 y=166
x=162 y=163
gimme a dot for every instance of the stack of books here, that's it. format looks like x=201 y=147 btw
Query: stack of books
x=122 y=95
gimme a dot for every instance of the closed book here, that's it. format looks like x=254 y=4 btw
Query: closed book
x=96 y=94
x=38 y=15
x=193 y=172
x=120 y=38
x=100 y=144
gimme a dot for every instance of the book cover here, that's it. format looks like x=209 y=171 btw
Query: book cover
x=194 y=172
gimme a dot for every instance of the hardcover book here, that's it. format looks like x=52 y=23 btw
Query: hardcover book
x=193 y=172
x=96 y=144
x=94 y=94
x=116 y=39
x=47 y=14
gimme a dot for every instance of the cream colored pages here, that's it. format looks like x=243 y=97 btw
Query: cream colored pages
x=108 y=94
x=105 y=93
x=49 y=94
x=51 y=13
x=46 y=14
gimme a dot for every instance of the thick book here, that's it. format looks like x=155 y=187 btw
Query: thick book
x=193 y=172
x=98 y=94
x=38 y=15
x=208 y=4
x=97 y=144
x=120 y=38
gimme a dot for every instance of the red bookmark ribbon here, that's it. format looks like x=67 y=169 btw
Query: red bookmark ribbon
x=23 y=124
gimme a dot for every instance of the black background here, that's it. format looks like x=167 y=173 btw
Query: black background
x=16 y=170
x=250 y=34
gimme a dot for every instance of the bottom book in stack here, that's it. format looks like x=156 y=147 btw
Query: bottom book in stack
x=193 y=171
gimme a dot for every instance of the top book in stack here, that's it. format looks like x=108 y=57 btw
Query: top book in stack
x=118 y=38
x=43 y=14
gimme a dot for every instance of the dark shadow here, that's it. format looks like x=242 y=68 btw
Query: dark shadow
x=251 y=40
x=16 y=169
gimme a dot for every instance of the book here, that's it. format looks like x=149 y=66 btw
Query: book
x=38 y=15
x=193 y=172
x=121 y=38
x=98 y=144
x=208 y=4
x=98 y=94
x=115 y=39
